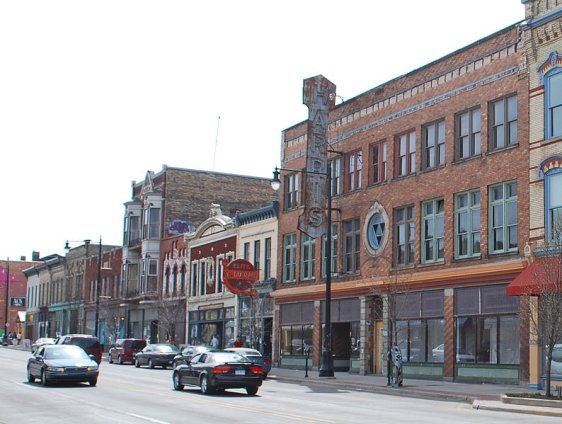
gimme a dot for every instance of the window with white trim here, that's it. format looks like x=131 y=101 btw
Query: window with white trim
x=503 y=217
x=467 y=224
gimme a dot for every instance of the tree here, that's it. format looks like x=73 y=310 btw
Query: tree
x=546 y=288
x=171 y=316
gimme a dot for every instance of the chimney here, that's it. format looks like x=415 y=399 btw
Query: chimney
x=34 y=256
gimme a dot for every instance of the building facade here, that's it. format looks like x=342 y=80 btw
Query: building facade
x=430 y=206
x=163 y=206
x=542 y=53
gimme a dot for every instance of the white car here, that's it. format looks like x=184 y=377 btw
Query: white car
x=41 y=342
x=439 y=354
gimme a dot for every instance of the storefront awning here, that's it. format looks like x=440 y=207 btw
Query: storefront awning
x=544 y=275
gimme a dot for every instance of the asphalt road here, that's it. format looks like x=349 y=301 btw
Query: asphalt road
x=128 y=395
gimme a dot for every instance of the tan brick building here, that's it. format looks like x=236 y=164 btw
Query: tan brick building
x=430 y=201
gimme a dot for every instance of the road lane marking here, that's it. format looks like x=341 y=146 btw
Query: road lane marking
x=142 y=417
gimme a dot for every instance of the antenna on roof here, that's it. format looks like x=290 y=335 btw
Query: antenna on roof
x=216 y=142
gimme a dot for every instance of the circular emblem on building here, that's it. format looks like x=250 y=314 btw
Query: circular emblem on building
x=375 y=230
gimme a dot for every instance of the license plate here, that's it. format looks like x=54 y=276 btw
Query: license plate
x=240 y=372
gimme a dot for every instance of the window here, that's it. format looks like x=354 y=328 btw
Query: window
x=404 y=236
x=468 y=134
x=296 y=339
x=257 y=254
x=291 y=191
x=351 y=246
x=154 y=224
x=467 y=224
x=335 y=173
x=503 y=217
x=333 y=249
x=503 y=118
x=553 y=207
x=307 y=257
x=267 y=263
x=246 y=252
x=194 y=280
x=289 y=257
x=134 y=233
x=353 y=170
x=433 y=228
x=152 y=277
x=553 y=103
x=434 y=145
x=406 y=154
x=377 y=173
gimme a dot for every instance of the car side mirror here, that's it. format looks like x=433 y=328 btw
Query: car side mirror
x=92 y=357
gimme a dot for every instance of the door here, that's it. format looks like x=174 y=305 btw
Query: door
x=378 y=337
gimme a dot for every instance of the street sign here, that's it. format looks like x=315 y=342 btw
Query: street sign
x=239 y=277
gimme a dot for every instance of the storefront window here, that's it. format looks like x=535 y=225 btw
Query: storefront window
x=556 y=365
x=355 y=340
x=296 y=339
x=421 y=340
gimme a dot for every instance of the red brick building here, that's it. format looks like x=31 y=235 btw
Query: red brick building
x=430 y=201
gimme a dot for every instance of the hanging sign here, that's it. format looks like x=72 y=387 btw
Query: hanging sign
x=239 y=277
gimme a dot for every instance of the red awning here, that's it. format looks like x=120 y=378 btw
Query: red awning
x=544 y=275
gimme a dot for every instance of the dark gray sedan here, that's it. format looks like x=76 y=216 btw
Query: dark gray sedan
x=62 y=363
x=157 y=355
x=217 y=371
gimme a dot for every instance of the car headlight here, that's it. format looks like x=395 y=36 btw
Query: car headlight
x=55 y=369
x=92 y=368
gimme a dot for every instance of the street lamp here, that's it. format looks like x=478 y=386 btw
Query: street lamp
x=326 y=366
x=87 y=242
x=6 y=321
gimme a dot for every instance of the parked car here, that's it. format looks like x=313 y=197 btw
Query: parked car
x=212 y=371
x=189 y=352
x=255 y=356
x=124 y=350
x=90 y=344
x=41 y=342
x=158 y=354
x=58 y=363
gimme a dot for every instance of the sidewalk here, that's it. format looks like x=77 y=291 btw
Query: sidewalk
x=481 y=396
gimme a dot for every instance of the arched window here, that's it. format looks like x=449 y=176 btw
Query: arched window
x=553 y=103
x=175 y=281
x=553 y=204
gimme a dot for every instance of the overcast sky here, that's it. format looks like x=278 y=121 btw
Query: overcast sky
x=95 y=93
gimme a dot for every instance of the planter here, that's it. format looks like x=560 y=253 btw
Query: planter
x=516 y=400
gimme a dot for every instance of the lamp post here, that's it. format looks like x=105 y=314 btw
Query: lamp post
x=326 y=367
x=6 y=321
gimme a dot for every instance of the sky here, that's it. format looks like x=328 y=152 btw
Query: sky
x=93 y=94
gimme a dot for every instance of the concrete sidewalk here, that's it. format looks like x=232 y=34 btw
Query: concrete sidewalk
x=481 y=396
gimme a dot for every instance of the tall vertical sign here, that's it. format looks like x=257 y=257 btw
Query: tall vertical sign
x=319 y=97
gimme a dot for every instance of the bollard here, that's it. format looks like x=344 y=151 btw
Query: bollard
x=307 y=353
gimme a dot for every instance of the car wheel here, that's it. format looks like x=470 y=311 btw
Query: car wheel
x=177 y=384
x=137 y=363
x=30 y=377
x=93 y=382
x=252 y=390
x=205 y=389
x=44 y=380
x=110 y=359
x=119 y=360
x=150 y=364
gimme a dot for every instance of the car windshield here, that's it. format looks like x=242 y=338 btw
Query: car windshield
x=165 y=349
x=65 y=352
x=228 y=357
x=86 y=343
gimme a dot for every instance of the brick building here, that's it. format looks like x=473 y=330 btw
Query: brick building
x=430 y=199
x=541 y=48
x=167 y=204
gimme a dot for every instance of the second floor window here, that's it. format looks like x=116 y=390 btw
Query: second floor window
x=257 y=254
x=353 y=170
x=433 y=230
x=154 y=224
x=333 y=250
x=467 y=224
x=406 y=154
x=291 y=191
x=553 y=103
x=308 y=252
x=289 y=257
x=434 y=145
x=468 y=134
x=246 y=251
x=503 y=217
x=377 y=173
x=267 y=259
x=404 y=236
x=335 y=173
x=553 y=205
x=351 y=246
x=134 y=229
x=504 y=123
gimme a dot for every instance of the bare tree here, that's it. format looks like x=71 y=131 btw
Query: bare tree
x=171 y=317
x=546 y=288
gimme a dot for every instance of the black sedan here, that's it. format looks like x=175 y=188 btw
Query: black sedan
x=217 y=371
x=158 y=354
x=189 y=352
x=62 y=363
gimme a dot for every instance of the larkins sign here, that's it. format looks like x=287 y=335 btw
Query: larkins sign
x=239 y=277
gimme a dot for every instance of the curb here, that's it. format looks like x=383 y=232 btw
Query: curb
x=521 y=409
